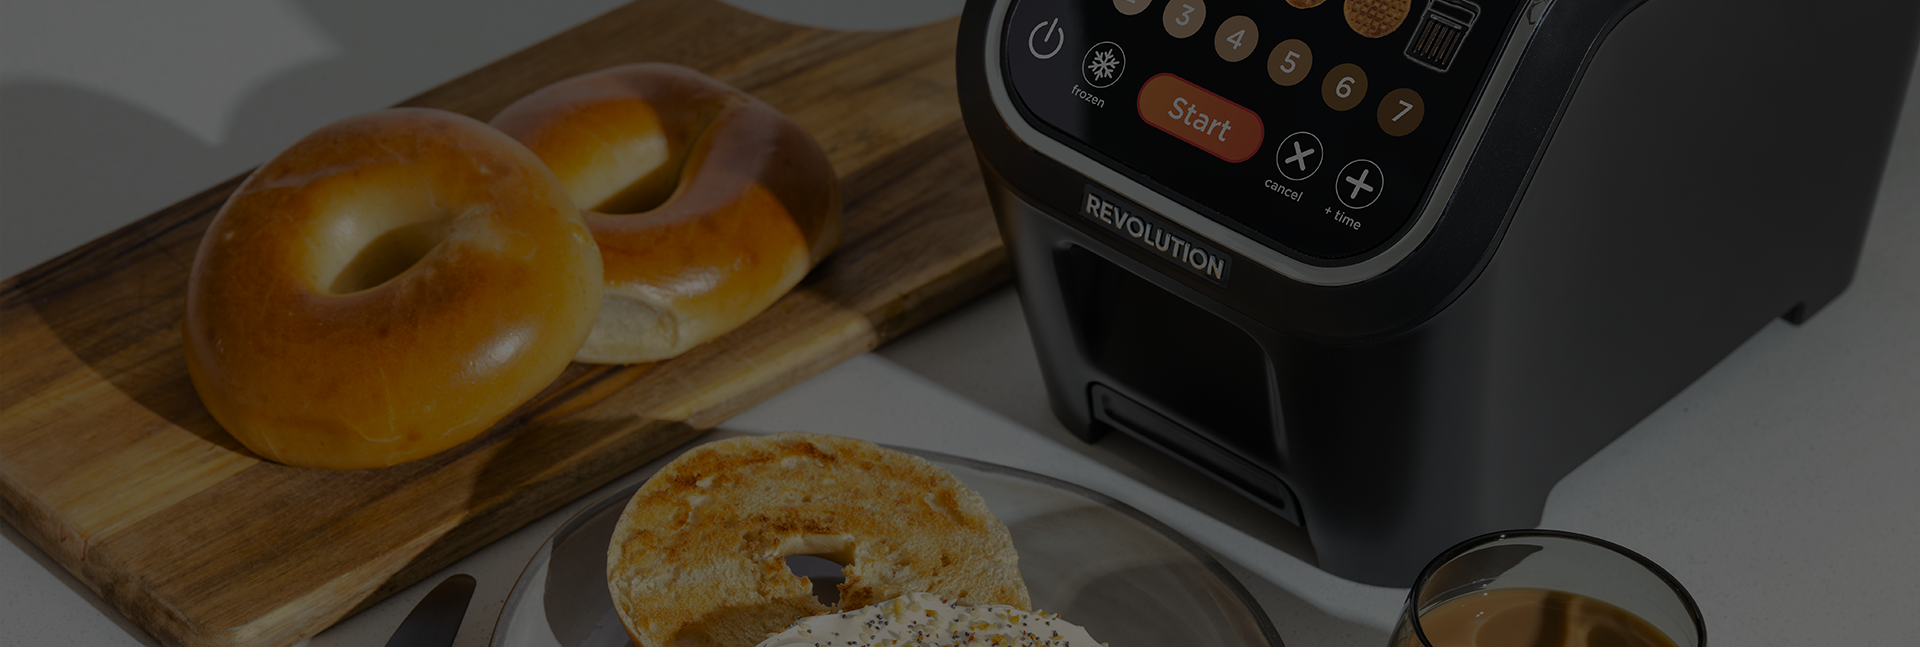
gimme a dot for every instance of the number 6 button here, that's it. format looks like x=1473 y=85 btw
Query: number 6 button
x=1345 y=87
x=1400 y=112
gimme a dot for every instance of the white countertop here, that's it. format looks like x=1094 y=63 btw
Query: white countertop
x=1780 y=488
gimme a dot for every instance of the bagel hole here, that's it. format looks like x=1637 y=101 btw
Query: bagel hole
x=388 y=255
x=646 y=193
x=666 y=167
x=825 y=574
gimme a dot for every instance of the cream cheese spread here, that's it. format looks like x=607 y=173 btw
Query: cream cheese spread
x=925 y=620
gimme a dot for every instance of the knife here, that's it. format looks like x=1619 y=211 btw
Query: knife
x=436 y=620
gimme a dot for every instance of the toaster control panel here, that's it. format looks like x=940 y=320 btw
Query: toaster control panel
x=1316 y=127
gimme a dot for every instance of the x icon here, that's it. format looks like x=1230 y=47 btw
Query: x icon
x=1300 y=156
x=1304 y=158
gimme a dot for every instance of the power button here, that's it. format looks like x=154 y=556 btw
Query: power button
x=1036 y=42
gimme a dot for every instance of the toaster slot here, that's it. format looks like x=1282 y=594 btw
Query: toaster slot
x=1188 y=364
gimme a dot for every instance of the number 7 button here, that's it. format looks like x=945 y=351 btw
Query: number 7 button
x=1400 y=112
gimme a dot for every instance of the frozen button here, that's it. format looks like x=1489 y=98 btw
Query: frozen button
x=1103 y=64
x=1201 y=118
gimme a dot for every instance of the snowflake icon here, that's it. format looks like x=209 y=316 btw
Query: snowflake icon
x=1104 y=64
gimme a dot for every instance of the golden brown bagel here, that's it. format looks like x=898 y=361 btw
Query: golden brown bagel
x=699 y=556
x=707 y=203
x=388 y=287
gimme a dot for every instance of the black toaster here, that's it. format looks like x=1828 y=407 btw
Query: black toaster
x=1392 y=269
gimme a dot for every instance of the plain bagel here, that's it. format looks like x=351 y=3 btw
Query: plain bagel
x=390 y=286
x=699 y=555
x=708 y=204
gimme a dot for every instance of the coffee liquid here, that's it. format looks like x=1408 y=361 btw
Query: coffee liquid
x=1526 y=617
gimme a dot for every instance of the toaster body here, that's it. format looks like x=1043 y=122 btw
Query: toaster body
x=1403 y=335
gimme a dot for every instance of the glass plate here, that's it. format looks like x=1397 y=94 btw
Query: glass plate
x=1129 y=579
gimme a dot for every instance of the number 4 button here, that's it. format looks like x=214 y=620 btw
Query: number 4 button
x=1236 y=38
x=1401 y=111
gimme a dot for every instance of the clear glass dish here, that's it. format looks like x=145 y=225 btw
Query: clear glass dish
x=1129 y=579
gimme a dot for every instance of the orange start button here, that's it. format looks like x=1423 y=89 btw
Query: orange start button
x=1201 y=118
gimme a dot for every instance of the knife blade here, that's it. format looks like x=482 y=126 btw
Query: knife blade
x=436 y=620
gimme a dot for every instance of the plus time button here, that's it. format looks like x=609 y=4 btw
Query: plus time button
x=1359 y=183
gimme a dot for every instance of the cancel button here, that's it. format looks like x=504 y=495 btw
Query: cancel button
x=1201 y=118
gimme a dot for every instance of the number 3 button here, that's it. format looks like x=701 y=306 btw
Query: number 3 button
x=1183 y=18
x=1400 y=112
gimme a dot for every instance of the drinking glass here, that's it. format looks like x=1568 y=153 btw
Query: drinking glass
x=1555 y=561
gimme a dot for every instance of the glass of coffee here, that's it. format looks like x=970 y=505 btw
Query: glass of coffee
x=1546 y=588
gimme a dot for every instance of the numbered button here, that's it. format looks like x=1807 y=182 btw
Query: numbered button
x=1183 y=18
x=1359 y=183
x=1236 y=38
x=1401 y=111
x=1344 y=87
x=1290 y=62
x=1131 y=7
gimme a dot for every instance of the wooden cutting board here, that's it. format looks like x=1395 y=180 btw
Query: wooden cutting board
x=111 y=465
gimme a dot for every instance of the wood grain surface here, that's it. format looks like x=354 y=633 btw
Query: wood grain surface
x=111 y=465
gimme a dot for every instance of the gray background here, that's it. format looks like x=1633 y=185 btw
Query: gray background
x=1780 y=487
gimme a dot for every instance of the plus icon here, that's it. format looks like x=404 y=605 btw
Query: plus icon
x=1360 y=184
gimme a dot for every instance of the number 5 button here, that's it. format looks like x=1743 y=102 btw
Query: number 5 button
x=1400 y=112
x=1289 y=62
